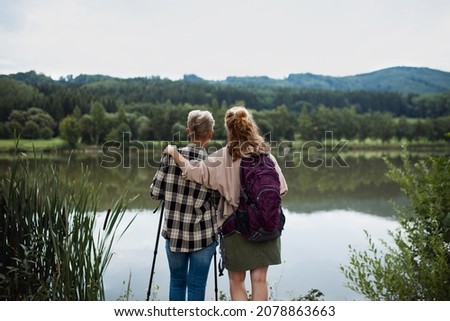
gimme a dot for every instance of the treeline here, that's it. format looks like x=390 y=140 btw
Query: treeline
x=94 y=109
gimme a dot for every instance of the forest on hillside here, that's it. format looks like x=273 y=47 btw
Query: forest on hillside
x=95 y=109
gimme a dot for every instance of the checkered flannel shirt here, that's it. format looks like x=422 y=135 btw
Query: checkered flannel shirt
x=190 y=221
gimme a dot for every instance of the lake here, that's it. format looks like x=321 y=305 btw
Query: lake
x=328 y=207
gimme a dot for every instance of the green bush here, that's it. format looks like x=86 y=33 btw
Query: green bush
x=51 y=246
x=417 y=267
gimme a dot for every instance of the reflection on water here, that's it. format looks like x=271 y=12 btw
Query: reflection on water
x=327 y=209
x=362 y=186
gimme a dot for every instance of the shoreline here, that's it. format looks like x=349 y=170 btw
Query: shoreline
x=394 y=145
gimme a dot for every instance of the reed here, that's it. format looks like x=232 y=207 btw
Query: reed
x=52 y=244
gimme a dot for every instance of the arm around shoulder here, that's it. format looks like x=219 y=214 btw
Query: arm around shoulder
x=198 y=171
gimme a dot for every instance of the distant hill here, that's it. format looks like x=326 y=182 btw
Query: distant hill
x=395 y=79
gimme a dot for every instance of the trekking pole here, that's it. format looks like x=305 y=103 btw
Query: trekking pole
x=156 y=248
x=215 y=276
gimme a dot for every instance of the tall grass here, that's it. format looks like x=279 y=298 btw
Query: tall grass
x=51 y=247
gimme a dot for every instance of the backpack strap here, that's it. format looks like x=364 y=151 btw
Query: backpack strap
x=243 y=191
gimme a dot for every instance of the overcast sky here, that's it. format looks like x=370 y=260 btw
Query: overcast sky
x=215 y=39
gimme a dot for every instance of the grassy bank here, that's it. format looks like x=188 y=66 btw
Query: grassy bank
x=343 y=145
x=40 y=145
x=369 y=144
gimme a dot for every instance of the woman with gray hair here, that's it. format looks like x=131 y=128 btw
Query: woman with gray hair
x=190 y=224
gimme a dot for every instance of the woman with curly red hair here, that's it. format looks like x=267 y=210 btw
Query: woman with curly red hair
x=220 y=171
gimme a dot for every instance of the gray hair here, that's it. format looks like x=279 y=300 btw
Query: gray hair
x=200 y=123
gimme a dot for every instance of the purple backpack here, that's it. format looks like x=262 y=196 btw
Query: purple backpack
x=259 y=216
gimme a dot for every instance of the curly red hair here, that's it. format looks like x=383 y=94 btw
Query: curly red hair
x=244 y=138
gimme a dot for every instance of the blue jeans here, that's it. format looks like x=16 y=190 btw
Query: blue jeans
x=189 y=270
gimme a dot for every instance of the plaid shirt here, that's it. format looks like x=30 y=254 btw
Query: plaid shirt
x=190 y=223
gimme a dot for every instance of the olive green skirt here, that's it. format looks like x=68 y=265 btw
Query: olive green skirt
x=242 y=255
